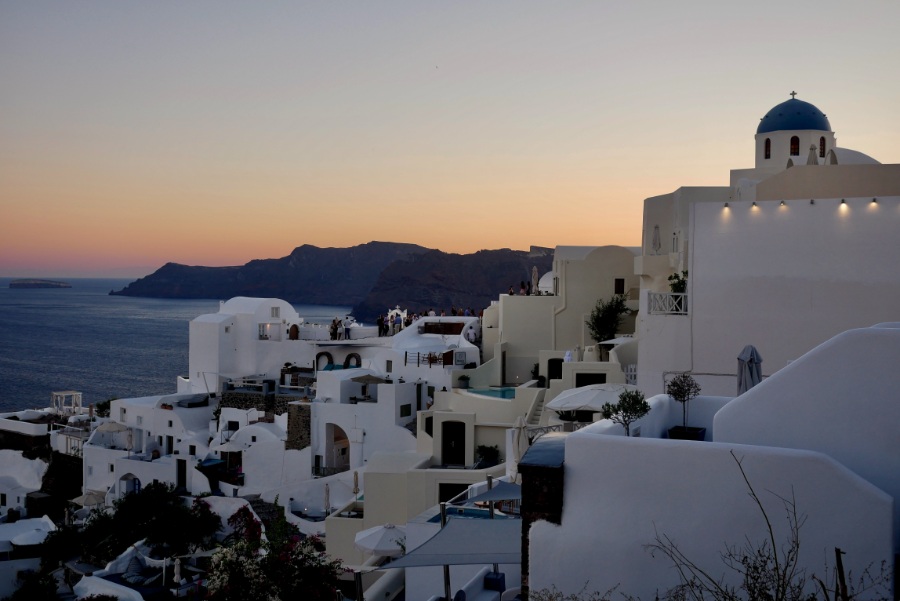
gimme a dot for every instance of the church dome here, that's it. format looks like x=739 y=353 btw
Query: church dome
x=795 y=115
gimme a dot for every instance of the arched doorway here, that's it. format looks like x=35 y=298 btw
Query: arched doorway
x=294 y=332
x=129 y=483
x=453 y=443
x=337 y=449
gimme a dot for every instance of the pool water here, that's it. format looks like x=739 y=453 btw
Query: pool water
x=500 y=393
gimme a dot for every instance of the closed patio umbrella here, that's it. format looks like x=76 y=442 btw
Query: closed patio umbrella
x=749 y=372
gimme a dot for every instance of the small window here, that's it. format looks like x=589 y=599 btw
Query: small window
x=192 y=449
x=227 y=329
x=389 y=366
x=795 y=146
x=768 y=150
x=252 y=439
x=170 y=423
x=112 y=468
x=620 y=286
x=822 y=147
x=3 y=499
x=405 y=410
x=429 y=425
x=276 y=312
x=90 y=470
x=140 y=420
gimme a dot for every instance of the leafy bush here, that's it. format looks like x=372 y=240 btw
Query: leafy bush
x=606 y=318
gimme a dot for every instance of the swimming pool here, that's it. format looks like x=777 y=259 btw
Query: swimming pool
x=500 y=393
x=468 y=512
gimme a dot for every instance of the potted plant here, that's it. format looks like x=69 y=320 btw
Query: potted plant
x=683 y=388
x=488 y=456
x=631 y=407
x=678 y=282
x=464 y=381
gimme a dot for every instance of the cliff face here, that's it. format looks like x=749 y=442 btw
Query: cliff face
x=372 y=277
x=438 y=280
x=309 y=275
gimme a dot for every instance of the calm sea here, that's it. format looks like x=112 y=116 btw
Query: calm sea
x=82 y=339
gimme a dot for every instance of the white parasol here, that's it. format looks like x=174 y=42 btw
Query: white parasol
x=382 y=541
x=90 y=499
x=589 y=398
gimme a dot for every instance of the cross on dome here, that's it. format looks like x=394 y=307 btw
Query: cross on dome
x=793 y=95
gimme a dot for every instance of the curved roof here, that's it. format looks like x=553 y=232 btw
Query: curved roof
x=846 y=156
x=793 y=114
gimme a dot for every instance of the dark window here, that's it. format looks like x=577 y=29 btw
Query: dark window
x=822 y=147
x=3 y=499
x=768 y=148
x=586 y=379
x=388 y=366
x=405 y=410
x=252 y=439
x=620 y=286
x=554 y=368
x=192 y=449
x=448 y=490
x=429 y=425
x=795 y=146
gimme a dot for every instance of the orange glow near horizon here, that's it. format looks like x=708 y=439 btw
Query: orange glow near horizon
x=245 y=132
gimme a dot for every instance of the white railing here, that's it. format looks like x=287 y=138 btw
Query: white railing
x=667 y=303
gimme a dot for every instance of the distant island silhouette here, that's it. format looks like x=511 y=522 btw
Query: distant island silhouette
x=34 y=283
x=372 y=277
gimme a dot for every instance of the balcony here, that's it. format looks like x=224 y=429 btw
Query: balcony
x=667 y=303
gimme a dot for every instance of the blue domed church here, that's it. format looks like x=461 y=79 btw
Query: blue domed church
x=793 y=130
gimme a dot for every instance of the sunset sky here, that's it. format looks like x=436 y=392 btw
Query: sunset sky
x=213 y=133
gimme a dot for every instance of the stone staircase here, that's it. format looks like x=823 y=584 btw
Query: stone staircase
x=535 y=418
x=267 y=512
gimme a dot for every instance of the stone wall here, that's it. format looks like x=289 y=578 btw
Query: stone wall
x=243 y=400
x=299 y=423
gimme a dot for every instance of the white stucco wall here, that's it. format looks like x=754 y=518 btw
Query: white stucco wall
x=840 y=399
x=784 y=279
x=621 y=492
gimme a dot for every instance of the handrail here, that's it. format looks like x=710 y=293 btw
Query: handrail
x=667 y=303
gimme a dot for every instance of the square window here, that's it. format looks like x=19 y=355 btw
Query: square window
x=227 y=329
x=252 y=439
x=405 y=410
x=276 y=312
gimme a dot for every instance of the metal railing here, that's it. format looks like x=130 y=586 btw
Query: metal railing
x=667 y=303
x=422 y=359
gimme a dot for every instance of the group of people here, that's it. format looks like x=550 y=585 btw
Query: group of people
x=388 y=325
x=524 y=289
x=340 y=328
